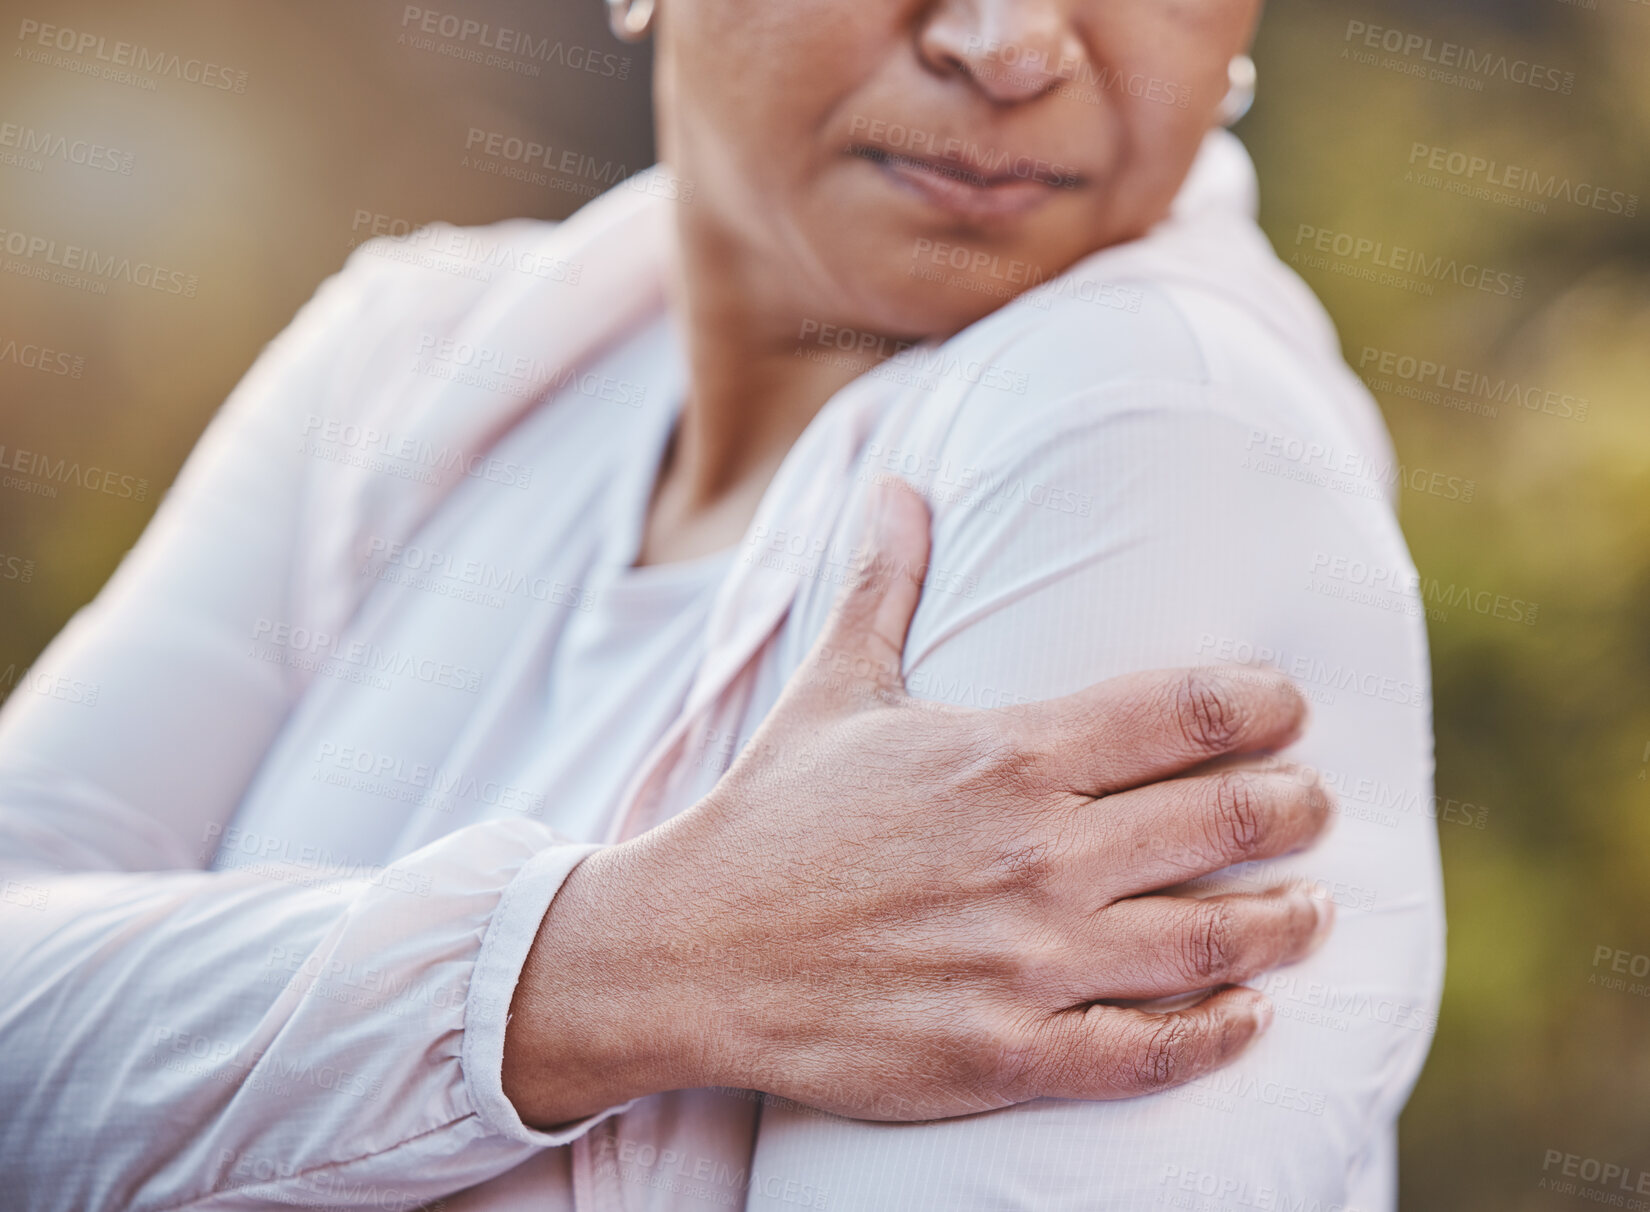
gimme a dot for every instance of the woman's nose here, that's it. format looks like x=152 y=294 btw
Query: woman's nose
x=1012 y=50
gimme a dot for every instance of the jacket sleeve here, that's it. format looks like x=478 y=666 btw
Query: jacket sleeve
x=1135 y=528
x=175 y=1037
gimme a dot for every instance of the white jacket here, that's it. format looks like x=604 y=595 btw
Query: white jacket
x=223 y=987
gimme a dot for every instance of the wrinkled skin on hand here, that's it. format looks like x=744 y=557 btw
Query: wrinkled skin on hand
x=892 y=909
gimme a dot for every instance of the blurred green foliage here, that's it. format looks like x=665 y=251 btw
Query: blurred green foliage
x=1545 y=725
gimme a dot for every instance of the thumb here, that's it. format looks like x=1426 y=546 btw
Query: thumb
x=863 y=644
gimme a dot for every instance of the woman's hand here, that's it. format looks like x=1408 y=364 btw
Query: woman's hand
x=892 y=909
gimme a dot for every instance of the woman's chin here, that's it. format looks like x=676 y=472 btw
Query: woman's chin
x=923 y=279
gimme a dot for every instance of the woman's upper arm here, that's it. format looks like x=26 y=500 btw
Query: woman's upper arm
x=144 y=719
x=1132 y=531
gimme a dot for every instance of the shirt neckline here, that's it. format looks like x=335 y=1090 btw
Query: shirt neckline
x=637 y=477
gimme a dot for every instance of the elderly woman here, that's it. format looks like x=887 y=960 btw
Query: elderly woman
x=554 y=845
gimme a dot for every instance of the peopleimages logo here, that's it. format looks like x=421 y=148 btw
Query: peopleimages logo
x=39 y=357
x=42 y=474
x=1559 y=1164
x=27 y=141
x=1324 y=466
x=1403 y=590
x=393 y=777
x=1498 y=389
x=318 y=651
x=1075 y=77
x=402 y=455
x=1448 y=62
x=1313 y=671
x=40 y=39
x=966 y=155
x=92 y=267
x=1410 y=263
x=1480 y=176
x=511 y=42
x=472 y=252
x=520 y=374
x=905 y=362
x=519 y=159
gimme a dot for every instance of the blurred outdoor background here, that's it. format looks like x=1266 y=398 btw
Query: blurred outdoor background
x=339 y=119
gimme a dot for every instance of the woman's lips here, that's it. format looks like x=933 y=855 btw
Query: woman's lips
x=956 y=188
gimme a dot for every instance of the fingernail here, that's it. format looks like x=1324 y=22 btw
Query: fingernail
x=1325 y=914
x=1263 y=1012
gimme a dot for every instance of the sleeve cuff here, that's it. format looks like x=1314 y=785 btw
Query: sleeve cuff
x=504 y=947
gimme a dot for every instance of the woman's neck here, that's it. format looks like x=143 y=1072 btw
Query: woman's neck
x=752 y=391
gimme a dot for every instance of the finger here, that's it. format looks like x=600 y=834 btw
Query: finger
x=1179 y=829
x=863 y=643
x=1135 y=729
x=1112 y=1052
x=1160 y=946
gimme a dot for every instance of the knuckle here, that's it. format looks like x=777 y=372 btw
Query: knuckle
x=1208 y=711
x=1163 y=1057
x=1210 y=944
x=1240 y=814
x=1304 y=803
x=870 y=576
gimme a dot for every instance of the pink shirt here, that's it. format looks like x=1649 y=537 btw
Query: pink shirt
x=281 y=811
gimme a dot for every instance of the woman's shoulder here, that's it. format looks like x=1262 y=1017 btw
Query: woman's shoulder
x=1139 y=411
x=1122 y=346
x=443 y=264
x=395 y=291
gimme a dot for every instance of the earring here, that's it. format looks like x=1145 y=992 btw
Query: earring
x=630 y=19
x=1240 y=95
